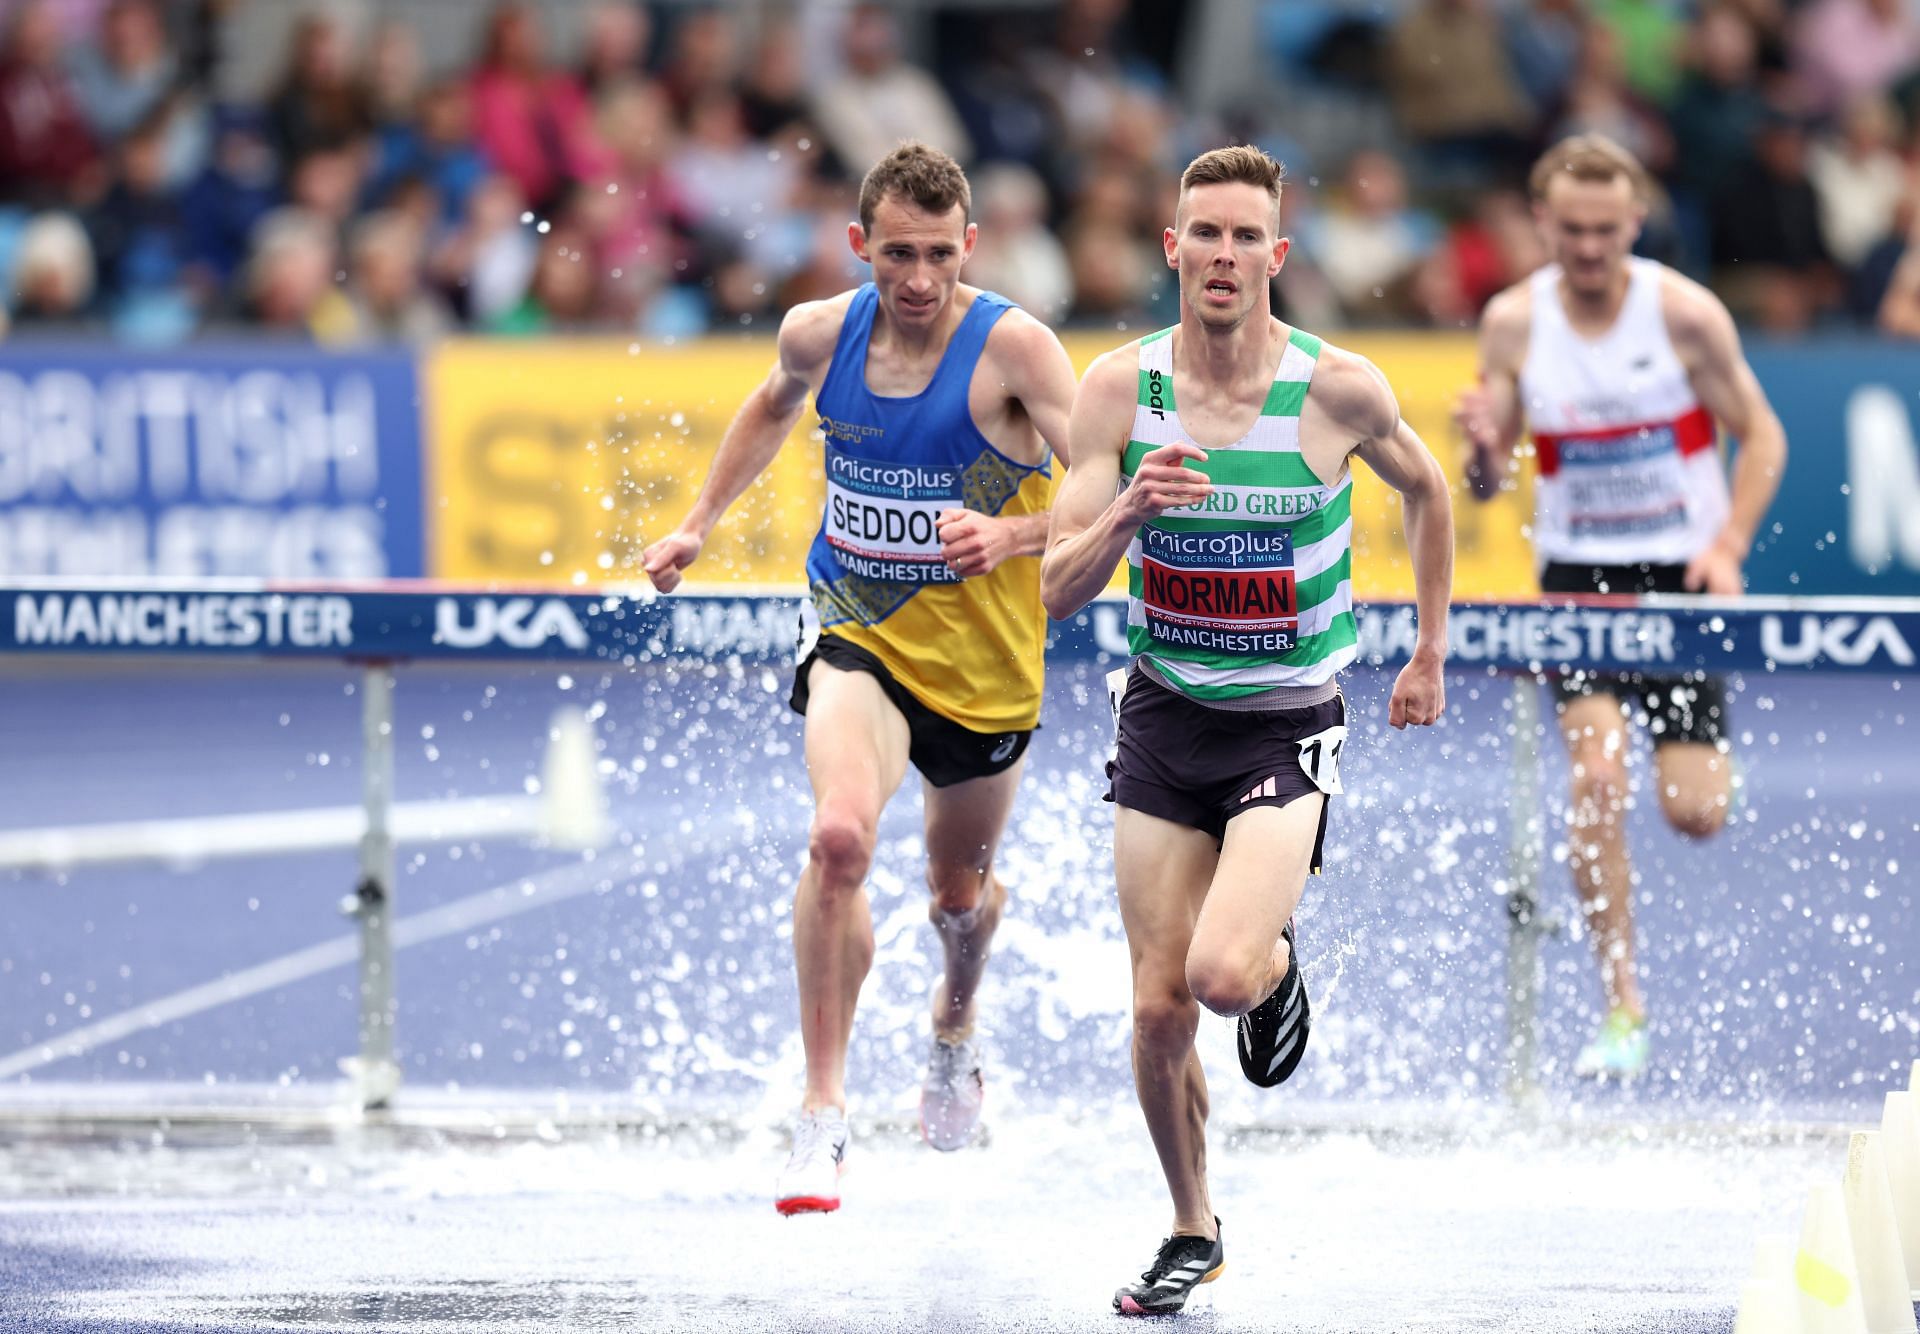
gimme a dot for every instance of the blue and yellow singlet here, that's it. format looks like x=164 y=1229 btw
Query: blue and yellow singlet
x=969 y=649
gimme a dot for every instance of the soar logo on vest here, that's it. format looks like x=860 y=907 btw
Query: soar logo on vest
x=474 y=623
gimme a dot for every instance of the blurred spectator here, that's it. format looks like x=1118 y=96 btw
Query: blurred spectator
x=1544 y=41
x=486 y=263
x=773 y=94
x=437 y=149
x=1115 y=268
x=1370 y=242
x=392 y=88
x=318 y=101
x=1900 y=309
x=561 y=299
x=614 y=46
x=737 y=195
x=53 y=278
x=1016 y=255
x=238 y=188
x=290 y=288
x=1859 y=180
x=47 y=153
x=140 y=241
x=1847 y=49
x=636 y=218
x=326 y=181
x=532 y=121
x=1598 y=101
x=703 y=58
x=1649 y=35
x=383 y=283
x=876 y=100
x=1452 y=86
x=1719 y=107
x=121 y=79
x=1481 y=256
x=1771 y=260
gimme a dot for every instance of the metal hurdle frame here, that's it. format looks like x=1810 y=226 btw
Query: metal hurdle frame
x=381 y=626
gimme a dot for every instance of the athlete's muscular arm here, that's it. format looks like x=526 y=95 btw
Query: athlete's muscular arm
x=754 y=436
x=1489 y=414
x=1359 y=401
x=1091 y=525
x=1709 y=347
x=1035 y=373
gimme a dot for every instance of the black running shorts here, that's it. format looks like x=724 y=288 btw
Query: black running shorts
x=1200 y=767
x=942 y=750
x=1679 y=709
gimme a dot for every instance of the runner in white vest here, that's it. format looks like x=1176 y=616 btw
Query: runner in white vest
x=1625 y=372
x=1214 y=457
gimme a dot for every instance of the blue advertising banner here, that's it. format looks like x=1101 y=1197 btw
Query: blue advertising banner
x=1848 y=514
x=209 y=462
x=424 y=621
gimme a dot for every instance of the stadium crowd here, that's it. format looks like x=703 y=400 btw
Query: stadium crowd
x=686 y=169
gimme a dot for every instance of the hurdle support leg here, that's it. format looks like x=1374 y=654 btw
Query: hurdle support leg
x=374 y=1072
x=1525 y=923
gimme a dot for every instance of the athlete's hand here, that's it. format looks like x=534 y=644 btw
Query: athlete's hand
x=1473 y=413
x=973 y=543
x=1419 y=692
x=666 y=559
x=1164 y=482
x=1715 y=570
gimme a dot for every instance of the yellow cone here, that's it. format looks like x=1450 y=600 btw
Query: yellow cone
x=1884 y=1291
x=1824 y=1270
x=1769 y=1299
x=1900 y=1144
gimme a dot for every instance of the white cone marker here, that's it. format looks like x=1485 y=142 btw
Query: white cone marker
x=574 y=804
x=1824 y=1271
x=1769 y=1299
x=1900 y=1145
x=1884 y=1291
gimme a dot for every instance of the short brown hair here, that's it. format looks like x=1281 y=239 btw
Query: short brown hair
x=1236 y=162
x=919 y=174
x=1587 y=157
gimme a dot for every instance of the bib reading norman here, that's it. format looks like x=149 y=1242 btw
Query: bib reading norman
x=1251 y=589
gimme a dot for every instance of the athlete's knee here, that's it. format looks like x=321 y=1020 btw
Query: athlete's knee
x=956 y=887
x=841 y=849
x=1226 y=983
x=1693 y=814
x=1164 y=1019
x=1599 y=783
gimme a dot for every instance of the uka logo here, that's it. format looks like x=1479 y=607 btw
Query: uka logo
x=1842 y=639
x=516 y=622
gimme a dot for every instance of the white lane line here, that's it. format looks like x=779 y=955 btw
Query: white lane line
x=489 y=905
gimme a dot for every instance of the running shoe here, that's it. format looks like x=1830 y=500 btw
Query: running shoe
x=951 y=1097
x=810 y=1182
x=1179 y=1266
x=1273 y=1034
x=1618 y=1050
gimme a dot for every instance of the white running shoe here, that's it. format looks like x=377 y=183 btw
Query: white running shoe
x=950 y=1099
x=810 y=1182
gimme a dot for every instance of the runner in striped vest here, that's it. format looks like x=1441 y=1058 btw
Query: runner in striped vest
x=1214 y=457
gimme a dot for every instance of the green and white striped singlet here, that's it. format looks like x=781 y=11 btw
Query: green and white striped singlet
x=1249 y=591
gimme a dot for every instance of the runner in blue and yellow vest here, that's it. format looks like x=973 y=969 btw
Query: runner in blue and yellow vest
x=940 y=406
x=1213 y=457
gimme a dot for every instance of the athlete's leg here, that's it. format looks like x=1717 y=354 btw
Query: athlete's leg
x=1237 y=956
x=856 y=743
x=1596 y=733
x=1163 y=869
x=964 y=824
x=1696 y=786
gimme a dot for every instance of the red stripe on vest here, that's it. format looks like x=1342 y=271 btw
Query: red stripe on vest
x=1692 y=432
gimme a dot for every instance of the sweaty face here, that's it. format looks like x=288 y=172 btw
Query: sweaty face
x=1226 y=246
x=916 y=258
x=1589 y=228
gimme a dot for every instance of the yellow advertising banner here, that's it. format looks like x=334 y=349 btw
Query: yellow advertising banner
x=557 y=461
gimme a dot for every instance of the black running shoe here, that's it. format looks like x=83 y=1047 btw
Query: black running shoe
x=1181 y=1265
x=1273 y=1034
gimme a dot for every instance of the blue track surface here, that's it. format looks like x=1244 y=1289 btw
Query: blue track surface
x=1780 y=977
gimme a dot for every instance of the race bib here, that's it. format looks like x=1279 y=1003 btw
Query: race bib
x=1320 y=757
x=1627 y=486
x=1223 y=592
x=882 y=518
